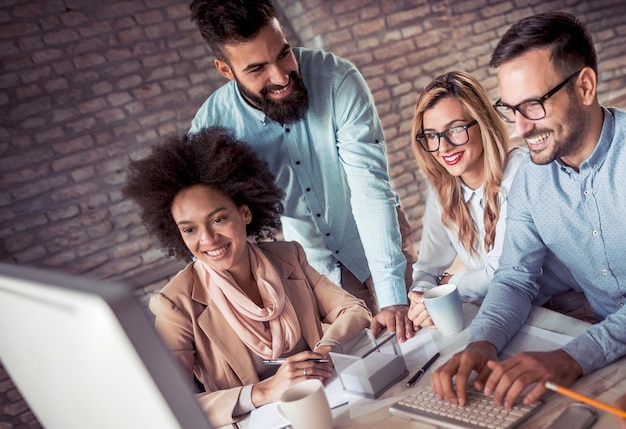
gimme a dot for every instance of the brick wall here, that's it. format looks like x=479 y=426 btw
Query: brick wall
x=87 y=86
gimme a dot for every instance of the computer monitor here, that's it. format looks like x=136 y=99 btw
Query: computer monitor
x=84 y=354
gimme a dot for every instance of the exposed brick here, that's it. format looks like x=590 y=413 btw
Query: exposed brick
x=83 y=124
x=178 y=11
x=149 y=17
x=62 y=115
x=74 y=145
x=9 y=80
x=111 y=115
x=72 y=18
x=63 y=213
x=82 y=173
x=61 y=36
x=26 y=174
x=118 y=54
x=128 y=82
x=130 y=35
x=147 y=90
x=32 y=75
x=35 y=188
x=119 y=98
x=123 y=67
x=32 y=122
x=95 y=28
x=163 y=29
x=15 y=408
x=16 y=29
x=100 y=88
x=77 y=160
x=89 y=60
x=85 y=45
x=56 y=84
x=32 y=107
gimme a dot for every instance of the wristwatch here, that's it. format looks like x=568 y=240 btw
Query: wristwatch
x=440 y=277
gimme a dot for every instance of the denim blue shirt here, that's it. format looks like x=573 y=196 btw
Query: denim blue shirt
x=579 y=218
x=332 y=165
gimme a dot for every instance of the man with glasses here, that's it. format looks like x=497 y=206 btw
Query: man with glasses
x=567 y=203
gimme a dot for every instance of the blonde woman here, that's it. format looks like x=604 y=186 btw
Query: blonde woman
x=462 y=146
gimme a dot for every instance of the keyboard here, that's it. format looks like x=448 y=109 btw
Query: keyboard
x=480 y=411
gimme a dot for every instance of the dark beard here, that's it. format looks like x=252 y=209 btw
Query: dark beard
x=287 y=110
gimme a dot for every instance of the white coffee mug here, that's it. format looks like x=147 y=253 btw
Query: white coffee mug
x=305 y=406
x=444 y=307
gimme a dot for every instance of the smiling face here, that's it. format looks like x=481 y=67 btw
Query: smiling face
x=465 y=161
x=561 y=134
x=213 y=228
x=266 y=72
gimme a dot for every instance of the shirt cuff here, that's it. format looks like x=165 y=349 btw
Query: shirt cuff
x=332 y=343
x=244 y=405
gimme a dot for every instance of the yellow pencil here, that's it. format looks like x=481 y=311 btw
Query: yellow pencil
x=586 y=399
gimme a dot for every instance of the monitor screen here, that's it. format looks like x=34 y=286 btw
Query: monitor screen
x=84 y=354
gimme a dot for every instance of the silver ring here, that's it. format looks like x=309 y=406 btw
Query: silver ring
x=305 y=372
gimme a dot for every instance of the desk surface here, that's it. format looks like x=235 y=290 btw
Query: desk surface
x=605 y=384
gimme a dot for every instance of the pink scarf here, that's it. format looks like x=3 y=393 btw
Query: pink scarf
x=246 y=318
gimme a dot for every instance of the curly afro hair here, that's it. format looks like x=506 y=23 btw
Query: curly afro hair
x=212 y=157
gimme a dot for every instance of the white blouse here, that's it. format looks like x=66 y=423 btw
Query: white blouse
x=440 y=246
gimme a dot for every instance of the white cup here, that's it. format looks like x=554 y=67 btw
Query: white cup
x=305 y=406
x=444 y=307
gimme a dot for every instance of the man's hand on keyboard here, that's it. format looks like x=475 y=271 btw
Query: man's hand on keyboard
x=510 y=377
x=460 y=366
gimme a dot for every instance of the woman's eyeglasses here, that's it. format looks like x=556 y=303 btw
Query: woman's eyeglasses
x=456 y=136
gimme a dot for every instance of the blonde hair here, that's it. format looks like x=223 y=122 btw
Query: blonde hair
x=475 y=100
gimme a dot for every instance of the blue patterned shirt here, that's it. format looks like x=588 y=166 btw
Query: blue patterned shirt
x=332 y=165
x=579 y=218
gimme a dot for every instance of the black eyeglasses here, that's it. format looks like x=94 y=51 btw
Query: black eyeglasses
x=532 y=109
x=456 y=136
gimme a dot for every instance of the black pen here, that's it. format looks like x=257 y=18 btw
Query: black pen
x=282 y=361
x=421 y=372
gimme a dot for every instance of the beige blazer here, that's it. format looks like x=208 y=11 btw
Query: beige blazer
x=195 y=330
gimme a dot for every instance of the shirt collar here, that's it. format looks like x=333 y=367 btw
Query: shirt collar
x=248 y=107
x=599 y=154
x=469 y=192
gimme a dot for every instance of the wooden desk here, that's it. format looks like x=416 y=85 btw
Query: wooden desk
x=605 y=384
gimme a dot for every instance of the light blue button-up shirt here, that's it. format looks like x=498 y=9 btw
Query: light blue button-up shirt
x=332 y=165
x=579 y=218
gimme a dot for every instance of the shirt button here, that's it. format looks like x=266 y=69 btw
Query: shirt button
x=586 y=192
x=308 y=189
x=621 y=303
x=336 y=251
x=595 y=166
x=287 y=129
x=605 y=272
x=297 y=162
x=328 y=234
x=318 y=215
x=595 y=233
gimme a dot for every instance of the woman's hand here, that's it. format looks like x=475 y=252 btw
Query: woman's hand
x=296 y=368
x=417 y=311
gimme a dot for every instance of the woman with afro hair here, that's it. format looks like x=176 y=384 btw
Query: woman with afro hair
x=242 y=298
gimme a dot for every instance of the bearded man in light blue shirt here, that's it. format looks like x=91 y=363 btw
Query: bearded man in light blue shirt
x=311 y=116
x=568 y=202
